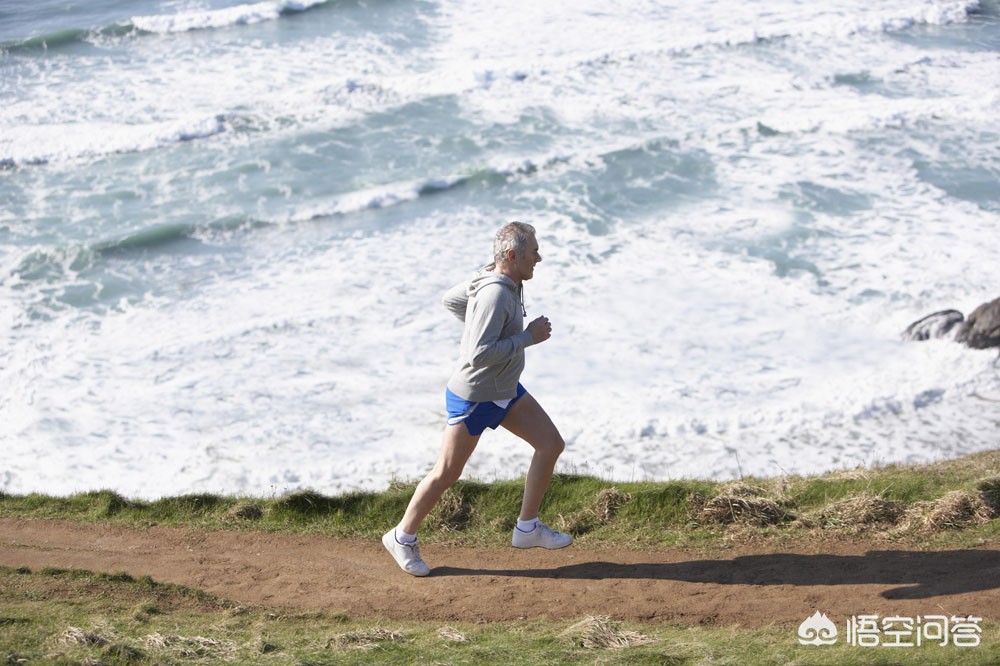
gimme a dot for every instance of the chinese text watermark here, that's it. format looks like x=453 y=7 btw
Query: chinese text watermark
x=893 y=630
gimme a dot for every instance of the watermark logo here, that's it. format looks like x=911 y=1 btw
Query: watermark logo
x=894 y=630
x=818 y=629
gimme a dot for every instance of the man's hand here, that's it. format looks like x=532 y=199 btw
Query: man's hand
x=540 y=329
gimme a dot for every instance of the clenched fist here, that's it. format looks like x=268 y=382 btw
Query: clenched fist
x=540 y=329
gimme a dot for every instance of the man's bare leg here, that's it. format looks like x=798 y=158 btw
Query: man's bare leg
x=528 y=420
x=456 y=447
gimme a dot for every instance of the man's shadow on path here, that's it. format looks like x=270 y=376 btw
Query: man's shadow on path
x=919 y=574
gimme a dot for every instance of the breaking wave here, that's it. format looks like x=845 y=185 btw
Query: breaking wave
x=42 y=144
x=162 y=24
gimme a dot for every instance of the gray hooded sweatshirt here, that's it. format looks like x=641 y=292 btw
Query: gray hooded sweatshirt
x=492 y=355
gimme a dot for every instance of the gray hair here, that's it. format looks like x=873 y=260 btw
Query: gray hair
x=512 y=236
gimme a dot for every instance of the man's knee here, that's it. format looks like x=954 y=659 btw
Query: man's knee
x=445 y=476
x=554 y=445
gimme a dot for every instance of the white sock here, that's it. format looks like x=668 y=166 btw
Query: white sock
x=527 y=525
x=404 y=537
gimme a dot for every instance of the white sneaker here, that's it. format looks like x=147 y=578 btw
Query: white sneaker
x=407 y=555
x=542 y=536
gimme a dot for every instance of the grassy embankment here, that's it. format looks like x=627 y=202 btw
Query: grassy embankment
x=56 y=616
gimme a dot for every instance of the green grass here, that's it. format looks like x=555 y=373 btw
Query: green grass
x=56 y=616
x=638 y=514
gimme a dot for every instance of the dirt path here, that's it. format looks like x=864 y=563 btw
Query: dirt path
x=358 y=578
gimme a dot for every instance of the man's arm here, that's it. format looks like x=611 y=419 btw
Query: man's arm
x=456 y=299
x=486 y=347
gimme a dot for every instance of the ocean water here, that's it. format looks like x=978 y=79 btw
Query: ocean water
x=225 y=229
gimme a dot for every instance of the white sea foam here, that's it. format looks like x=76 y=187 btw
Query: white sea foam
x=41 y=144
x=568 y=33
x=727 y=264
x=57 y=115
x=655 y=357
x=567 y=71
x=219 y=18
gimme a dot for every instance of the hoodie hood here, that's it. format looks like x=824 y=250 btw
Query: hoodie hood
x=487 y=277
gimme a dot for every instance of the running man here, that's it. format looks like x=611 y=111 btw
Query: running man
x=485 y=392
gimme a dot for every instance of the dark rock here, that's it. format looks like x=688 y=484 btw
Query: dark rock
x=982 y=328
x=935 y=325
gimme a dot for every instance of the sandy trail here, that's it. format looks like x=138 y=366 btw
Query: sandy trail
x=750 y=588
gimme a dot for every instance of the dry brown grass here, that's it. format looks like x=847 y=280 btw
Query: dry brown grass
x=861 y=512
x=365 y=639
x=852 y=474
x=397 y=485
x=452 y=635
x=76 y=636
x=190 y=647
x=958 y=509
x=602 y=633
x=737 y=503
x=601 y=511
x=744 y=509
x=607 y=503
x=248 y=511
x=452 y=512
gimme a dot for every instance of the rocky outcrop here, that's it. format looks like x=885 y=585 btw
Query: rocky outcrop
x=981 y=330
x=936 y=325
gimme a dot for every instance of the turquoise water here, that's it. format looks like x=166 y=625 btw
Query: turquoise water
x=226 y=228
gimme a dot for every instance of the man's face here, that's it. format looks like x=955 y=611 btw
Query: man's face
x=525 y=264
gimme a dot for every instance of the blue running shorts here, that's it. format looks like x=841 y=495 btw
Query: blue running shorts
x=478 y=416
